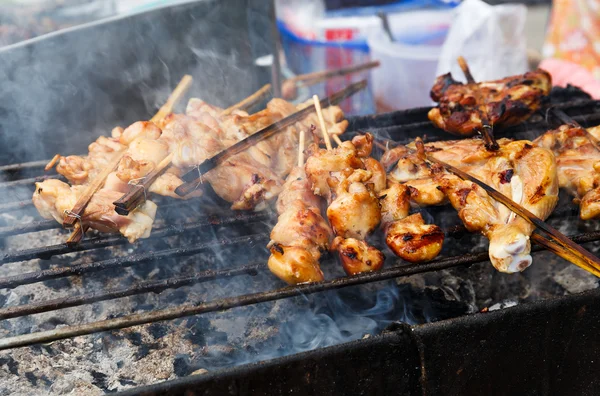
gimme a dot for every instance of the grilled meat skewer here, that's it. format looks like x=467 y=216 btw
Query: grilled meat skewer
x=519 y=170
x=465 y=109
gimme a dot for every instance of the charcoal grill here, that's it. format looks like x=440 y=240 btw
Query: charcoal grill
x=412 y=360
x=543 y=347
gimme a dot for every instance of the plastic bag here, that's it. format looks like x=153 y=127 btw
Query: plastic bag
x=491 y=39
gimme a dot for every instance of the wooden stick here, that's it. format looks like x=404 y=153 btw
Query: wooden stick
x=557 y=242
x=289 y=86
x=52 y=162
x=75 y=214
x=337 y=139
x=175 y=97
x=136 y=195
x=322 y=122
x=194 y=177
x=77 y=234
x=488 y=130
x=462 y=62
x=249 y=101
x=301 y=148
x=325 y=74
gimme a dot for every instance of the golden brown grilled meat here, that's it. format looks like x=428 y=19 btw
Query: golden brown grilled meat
x=408 y=168
x=464 y=109
x=301 y=233
x=54 y=198
x=348 y=181
x=524 y=173
x=413 y=240
x=322 y=165
x=578 y=164
x=357 y=256
x=519 y=170
x=354 y=211
x=407 y=236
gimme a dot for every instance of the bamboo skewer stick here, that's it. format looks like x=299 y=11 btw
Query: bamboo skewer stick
x=462 y=62
x=322 y=122
x=194 y=177
x=137 y=192
x=289 y=86
x=249 y=101
x=488 y=130
x=175 y=97
x=325 y=74
x=301 y=148
x=337 y=139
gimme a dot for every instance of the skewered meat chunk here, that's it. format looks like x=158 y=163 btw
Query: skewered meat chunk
x=578 y=164
x=297 y=188
x=354 y=212
x=407 y=236
x=294 y=265
x=321 y=165
x=413 y=240
x=416 y=174
x=464 y=109
x=522 y=172
x=301 y=233
x=357 y=256
x=54 y=199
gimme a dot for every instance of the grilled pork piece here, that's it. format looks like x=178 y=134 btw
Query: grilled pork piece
x=340 y=175
x=578 y=164
x=54 y=199
x=407 y=236
x=522 y=172
x=519 y=170
x=301 y=233
x=247 y=180
x=464 y=109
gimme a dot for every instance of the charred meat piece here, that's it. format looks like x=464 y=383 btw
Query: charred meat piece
x=465 y=109
x=407 y=236
x=357 y=256
x=413 y=240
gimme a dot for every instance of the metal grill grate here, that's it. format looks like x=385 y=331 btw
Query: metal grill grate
x=254 y=232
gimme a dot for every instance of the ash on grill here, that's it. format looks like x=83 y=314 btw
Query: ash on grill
x=216 y=239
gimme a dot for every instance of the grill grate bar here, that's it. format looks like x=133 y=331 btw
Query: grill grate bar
x=6 y=207
x=172 y=283
x=48 y=251
x=29 y=227
x=29 y=181
x=144 y=287
x=120 y=262
x=232 y=302
x=23 y=165
x=254 y=298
